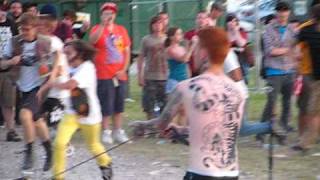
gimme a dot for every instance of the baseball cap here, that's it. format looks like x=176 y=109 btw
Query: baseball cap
x=50 y=10
x=109 y=6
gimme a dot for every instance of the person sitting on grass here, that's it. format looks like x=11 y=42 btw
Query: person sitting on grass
x=214 y=106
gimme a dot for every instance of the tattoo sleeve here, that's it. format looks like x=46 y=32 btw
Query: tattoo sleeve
x=171 y=109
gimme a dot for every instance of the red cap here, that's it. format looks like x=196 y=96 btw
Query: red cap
x=109 y=6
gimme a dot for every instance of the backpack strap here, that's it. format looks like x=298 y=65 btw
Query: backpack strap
x=17 y=45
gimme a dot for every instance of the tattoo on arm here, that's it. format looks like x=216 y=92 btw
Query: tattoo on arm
x=171 y=109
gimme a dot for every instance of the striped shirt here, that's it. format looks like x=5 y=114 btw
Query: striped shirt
x=273 y=39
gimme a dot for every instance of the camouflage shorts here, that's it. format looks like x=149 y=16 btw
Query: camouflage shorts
x=154 y=92
x=314 y=102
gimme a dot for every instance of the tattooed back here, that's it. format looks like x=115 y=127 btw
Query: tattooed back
x=214 y=107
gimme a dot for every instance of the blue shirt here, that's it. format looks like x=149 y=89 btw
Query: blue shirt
x=178 y=70
x=277 y=72
x=282 y=30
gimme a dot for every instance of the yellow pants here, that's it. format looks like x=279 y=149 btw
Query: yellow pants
x=91 y=134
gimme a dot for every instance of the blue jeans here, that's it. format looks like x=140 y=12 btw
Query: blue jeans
x=245 y=72
x=248 y=129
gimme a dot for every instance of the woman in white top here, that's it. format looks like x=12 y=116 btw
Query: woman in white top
x=83 y=81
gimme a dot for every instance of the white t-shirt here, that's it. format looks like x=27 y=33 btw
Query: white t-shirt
x=231 y=63
x=57 y=46
x=214 y=107
x=85 y=76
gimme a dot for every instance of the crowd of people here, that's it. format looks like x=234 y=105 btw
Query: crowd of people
x=57 y=82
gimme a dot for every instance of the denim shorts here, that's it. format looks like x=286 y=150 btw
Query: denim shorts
x=111 y=97
x=171 y=85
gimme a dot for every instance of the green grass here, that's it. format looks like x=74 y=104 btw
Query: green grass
x=253 y=159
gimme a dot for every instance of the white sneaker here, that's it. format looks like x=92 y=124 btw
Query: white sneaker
x=129 y=100
x=119 y=135
x=107 y=137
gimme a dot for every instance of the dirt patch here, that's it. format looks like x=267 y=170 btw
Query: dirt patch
x=148 y=159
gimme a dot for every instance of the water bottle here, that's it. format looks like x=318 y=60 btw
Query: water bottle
x=156 y=110
x=297 y=87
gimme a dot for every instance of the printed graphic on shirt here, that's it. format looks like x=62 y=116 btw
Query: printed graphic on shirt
x=29 y=57
x=5 y=35
x=218 y=137
x=156 y=65
x=56 y=115
x=157 y=52
x=114 y=48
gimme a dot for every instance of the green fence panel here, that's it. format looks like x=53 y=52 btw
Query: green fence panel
x=183 y=14
x=141 y=13
x=136 y=14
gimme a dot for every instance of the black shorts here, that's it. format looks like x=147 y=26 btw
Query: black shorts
x=29 y=101
x=194 y=176
x=52 y=110
x=111 y=97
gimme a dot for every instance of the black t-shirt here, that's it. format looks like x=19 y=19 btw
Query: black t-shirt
x=311 y=36
x=7 y=30
x=11 y=25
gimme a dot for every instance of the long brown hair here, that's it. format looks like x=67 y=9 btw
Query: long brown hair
x=171 y=32
x=84 y=50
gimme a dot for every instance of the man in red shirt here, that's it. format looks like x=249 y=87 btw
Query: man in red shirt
x=202 y=21
x=112 y=59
